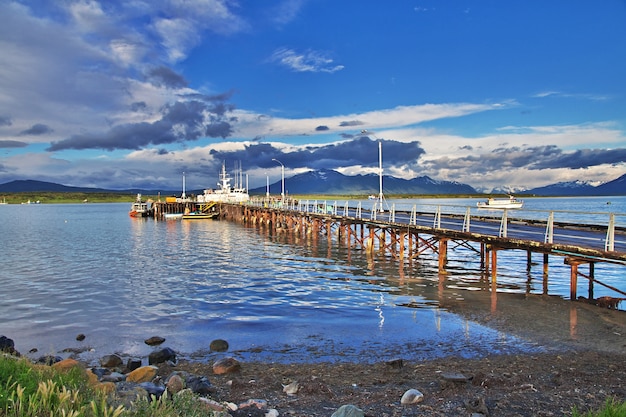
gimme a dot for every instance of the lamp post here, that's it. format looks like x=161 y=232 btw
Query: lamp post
x=282 y=175
x=380 y=168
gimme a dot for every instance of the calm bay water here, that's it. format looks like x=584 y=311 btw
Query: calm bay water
x=70 y=269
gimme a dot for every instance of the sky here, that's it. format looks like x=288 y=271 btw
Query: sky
x=134 y=93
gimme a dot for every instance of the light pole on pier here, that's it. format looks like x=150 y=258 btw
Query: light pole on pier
x=380 y=168
x=282 y=176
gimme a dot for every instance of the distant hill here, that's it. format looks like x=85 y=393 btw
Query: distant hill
x=333 y=182
x=564 y=189
x=581 y=188
x=25 y=186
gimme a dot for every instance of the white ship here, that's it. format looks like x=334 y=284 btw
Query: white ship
x=225 y=192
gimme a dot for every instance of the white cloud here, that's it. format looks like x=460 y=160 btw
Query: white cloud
x=309 y=61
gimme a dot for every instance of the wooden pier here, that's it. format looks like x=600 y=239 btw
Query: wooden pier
x=408 y=236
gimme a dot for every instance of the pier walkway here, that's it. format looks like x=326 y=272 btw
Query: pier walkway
x=408 y=232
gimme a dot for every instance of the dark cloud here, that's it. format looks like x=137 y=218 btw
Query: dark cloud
x=359 y=151
x=165 y=77
x=138 y=106
x=532 y=158
x=321 y=128
x=181 y=121
x=36 y=129
x=12 y=144
x=351 y=123
x=5 y=120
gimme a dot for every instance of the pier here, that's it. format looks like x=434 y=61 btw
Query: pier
x=408 y=234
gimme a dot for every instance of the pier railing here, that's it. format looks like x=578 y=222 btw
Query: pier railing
x=605 y=231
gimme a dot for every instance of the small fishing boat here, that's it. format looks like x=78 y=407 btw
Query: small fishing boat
x=139 y=208
x=199 y=215
x=203 y=211
x=173 y=216
x=500 y=203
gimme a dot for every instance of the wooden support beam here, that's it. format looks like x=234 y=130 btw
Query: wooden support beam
x=494 y=265
x=443 y=255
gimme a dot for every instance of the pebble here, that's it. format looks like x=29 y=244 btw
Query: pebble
x=154 y=340
x=218 y=345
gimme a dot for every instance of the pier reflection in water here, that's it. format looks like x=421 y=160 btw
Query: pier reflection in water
x=91 y=269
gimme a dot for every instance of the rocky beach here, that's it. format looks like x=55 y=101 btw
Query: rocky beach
x=583 y=364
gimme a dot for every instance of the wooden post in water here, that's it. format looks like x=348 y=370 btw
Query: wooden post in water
x=494 y=265
x=443 y=255
x=545 y=273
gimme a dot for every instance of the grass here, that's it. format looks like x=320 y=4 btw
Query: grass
x=69 y=198
x=612 y=408
x=28 y=390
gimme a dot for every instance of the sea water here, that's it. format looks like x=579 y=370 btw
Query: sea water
x=91 y=269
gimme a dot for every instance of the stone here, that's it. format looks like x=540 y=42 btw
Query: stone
x=80 y=337
x=133 y=364
x=218 y=345
x=348 y=410
x=226 y=366
x=255 y=403
x=49 y=359
x=412 y=396
x=454 y=377
x=114 y=377
x=200 y=385
x=154 y=340
x=143 y=374
x=153 y=389
x=162 y=355
x=395 y=363
x=211 y=404
x=8 y=346
x=111 y=361
x=66 y=364
x=175 y=384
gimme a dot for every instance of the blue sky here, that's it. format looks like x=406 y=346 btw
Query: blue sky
x=489 y=93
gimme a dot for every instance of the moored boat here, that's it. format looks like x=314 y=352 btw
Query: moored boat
x=501 y=203
x=225 y=192
x=173 y=216
x=139 y=208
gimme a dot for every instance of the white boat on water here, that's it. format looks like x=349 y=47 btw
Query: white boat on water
x=139 y=208
x=500 y=203
x=225 y=192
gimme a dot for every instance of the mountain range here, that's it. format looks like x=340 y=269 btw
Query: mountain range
x=331 y=182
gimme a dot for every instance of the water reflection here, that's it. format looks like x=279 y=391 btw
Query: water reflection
x=92 y=269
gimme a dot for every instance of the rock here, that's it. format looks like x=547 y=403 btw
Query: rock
x=218 y=345
x=272 y=412
x=49 y=359
x=154 y=340
x=211 y=404
x=114 y=377
x=65 y=365
x=348 y=410
x=175 y=384
x=80 y=337
x=111 y=361
x=143 y=374
x=200 y=384
x=412 y=396
x=133 y=364
x=256 y=403
x=100 y=372
x=454 y=377
x=162 y=355
x=291 y=389
x=226 y=366
x=395 y=363
x=105 y=387
x=153 y=389
x=8 y=346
